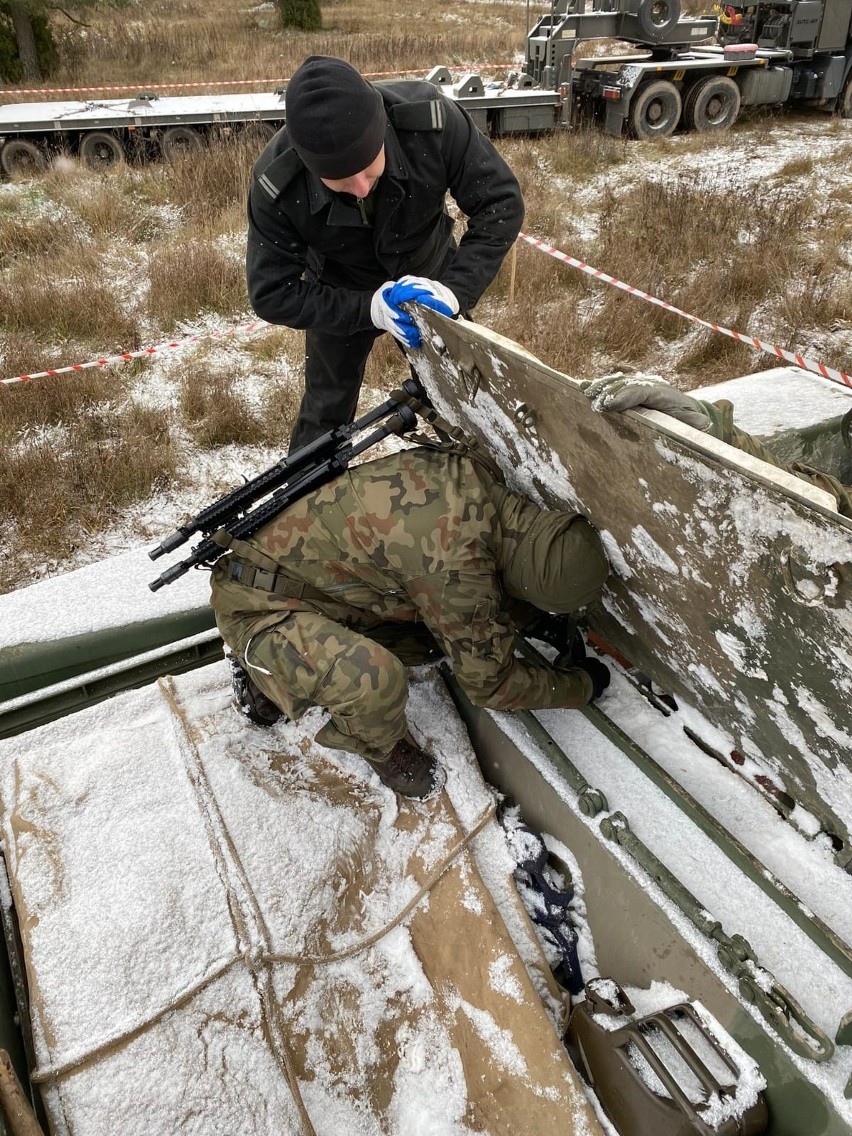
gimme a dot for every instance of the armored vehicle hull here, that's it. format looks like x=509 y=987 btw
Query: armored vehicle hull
x=703 y=806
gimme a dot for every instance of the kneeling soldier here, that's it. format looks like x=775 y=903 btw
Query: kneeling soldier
x=397 y=562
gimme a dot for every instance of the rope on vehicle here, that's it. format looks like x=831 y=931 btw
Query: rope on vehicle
x=253 y=942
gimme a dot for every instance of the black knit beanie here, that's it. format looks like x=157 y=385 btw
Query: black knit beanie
x=336 y=120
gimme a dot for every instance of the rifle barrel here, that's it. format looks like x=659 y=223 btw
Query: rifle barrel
x=208 y=551
x=237 y=501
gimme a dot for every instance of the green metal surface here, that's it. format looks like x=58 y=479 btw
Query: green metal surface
x=26 y=667
x=92 y=687
x=822 y=935
x=732 y=580
x=635 y=940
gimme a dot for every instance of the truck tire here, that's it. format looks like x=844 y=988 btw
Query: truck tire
x=712 y=103
x=177 y=141
x=655 y=110
x=99 y=150
x=844 y=104
x=21 y=157
x=657 y=17
x=259 y=133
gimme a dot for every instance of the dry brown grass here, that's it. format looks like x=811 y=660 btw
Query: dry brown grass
x=193 y=276
x=216 y=412
x=95 y=263
x=207 y=187
x=170 y=41
x=105 y=207
x=680 y=239
x=23 y=237
x=66 y=298
x=59 y=487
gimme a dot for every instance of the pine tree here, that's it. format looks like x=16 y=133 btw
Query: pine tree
x=25 y=27
x=302 y=14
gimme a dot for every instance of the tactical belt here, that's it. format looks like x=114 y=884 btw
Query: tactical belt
x=275 y=582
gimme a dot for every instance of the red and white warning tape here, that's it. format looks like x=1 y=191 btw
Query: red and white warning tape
x=136 y=87
x=750 y=340
x=142 y=353
x=142 y=86
x=256 y=325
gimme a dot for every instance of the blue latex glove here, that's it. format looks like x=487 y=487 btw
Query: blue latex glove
x=387 y=313
x=430 y=293
x=387 y=316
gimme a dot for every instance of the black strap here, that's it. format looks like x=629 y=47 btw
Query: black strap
x=458 y=442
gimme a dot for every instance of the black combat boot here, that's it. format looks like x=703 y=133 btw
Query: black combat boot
x=407 y=770
x=249 y=699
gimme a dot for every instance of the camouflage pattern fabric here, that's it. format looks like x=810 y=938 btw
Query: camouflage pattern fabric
x=722 y=426
x=417 y=538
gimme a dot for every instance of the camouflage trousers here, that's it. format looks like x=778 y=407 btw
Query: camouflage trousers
x=309 y=660
x=352 y=661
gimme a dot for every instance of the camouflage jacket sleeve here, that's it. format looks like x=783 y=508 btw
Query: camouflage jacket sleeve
x=463 y=611
x=722 y=426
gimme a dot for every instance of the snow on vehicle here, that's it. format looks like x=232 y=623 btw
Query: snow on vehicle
x=702 y=807
x=103 y=132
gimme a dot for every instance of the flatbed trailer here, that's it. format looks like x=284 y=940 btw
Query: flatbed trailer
x=103 y=132
x=147 y=126
x=691 y=74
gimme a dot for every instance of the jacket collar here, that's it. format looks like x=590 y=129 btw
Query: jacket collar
x=396 y=168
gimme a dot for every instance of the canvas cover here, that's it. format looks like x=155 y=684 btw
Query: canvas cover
x=232 y=930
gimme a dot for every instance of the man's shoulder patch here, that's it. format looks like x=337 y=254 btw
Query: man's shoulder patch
x=428 y=114
x=275 y=177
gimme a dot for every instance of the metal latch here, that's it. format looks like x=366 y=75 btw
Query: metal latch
x=673 y=1072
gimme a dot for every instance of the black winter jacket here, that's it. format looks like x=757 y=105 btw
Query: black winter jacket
x=313 y=262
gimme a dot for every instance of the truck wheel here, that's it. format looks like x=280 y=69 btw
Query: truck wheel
x=712 y=104
x=655 y=110
x=845 y=104
x=21 y=157
x=178 y=141
x=657 y=17
x=259 y=133
x=100 y=150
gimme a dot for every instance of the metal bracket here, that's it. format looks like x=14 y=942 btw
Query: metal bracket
x=471 y=378
x=660 y=1072
x=757 y=986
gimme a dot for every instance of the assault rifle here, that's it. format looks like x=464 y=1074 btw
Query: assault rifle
x=232 y=516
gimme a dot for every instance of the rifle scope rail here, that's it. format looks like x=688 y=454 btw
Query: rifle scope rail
x=323 y=469
x=238 y=500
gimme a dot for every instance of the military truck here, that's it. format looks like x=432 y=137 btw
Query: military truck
x=761 y=54
x=691 y=73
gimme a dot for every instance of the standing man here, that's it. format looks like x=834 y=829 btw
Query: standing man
x=347 y=221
